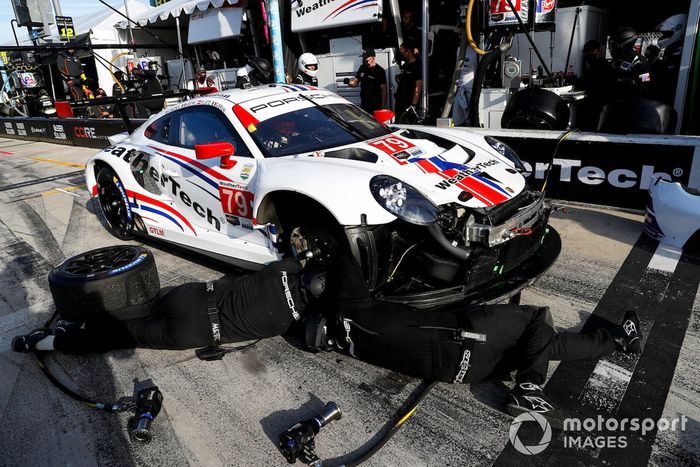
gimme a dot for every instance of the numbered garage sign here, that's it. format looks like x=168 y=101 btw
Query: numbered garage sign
x=236 y=201
x=65 y=27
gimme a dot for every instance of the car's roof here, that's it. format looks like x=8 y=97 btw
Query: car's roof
x=237 y=96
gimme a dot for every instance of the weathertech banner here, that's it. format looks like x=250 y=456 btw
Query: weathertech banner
x=321 y=14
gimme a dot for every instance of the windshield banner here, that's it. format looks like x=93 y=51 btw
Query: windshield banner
x=272 y=106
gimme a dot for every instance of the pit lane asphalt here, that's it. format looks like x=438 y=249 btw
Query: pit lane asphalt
x=230 y=412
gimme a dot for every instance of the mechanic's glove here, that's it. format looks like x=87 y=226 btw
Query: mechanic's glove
x=346 y=81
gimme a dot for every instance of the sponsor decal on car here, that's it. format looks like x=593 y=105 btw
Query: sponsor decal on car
x=168 y=184
x=257 y=110
x=396 y=147
x=245 y=171
x=37 y=130
x=236 y=201
x=21 y=130
x=157 y=231
x=9 y=129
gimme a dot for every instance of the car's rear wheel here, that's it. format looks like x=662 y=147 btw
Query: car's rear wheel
x=114 y=203
x=111 y=279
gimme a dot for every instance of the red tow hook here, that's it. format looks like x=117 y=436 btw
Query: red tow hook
x=522 y=231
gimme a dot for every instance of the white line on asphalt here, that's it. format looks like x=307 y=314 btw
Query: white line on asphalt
x=665 y=258
x=610 y=378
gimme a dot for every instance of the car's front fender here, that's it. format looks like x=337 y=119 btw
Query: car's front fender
x=341 y=188
x=113 y=157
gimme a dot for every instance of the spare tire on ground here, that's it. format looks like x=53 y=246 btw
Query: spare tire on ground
x=111 y=279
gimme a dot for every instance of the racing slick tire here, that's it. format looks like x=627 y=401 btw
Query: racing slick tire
x=115 y=204
x=109 y=279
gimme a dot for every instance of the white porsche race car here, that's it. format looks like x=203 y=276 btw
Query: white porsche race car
x=431 y=215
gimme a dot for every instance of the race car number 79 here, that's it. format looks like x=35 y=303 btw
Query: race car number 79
x=237 y=202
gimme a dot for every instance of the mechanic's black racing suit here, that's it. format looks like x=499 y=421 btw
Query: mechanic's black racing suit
x=251 y=306
x=422 y=343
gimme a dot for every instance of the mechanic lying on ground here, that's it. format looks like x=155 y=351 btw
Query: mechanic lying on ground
x=443 y=344
x=250 y=306
x=422 y=343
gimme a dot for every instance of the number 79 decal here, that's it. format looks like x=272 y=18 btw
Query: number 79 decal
x=237 y=202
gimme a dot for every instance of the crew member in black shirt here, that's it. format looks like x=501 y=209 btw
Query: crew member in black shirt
x=410 y=80
x=74 y=79
x=371 y=78
x=631 y=68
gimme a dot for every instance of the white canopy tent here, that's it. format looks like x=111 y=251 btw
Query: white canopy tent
x=101 y=27
x=173 y=8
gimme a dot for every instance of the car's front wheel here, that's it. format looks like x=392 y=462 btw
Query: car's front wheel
x=115 y=204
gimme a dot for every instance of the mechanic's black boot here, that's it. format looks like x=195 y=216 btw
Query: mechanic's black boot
x=628 y=335
x=27 y=343
x=529 y=397
x=67 y=327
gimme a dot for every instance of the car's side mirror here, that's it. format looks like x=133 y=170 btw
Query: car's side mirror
x=384 y=116
x=211 y=150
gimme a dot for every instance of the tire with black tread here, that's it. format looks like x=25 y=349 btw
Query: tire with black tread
x=109 y=279
x=114 y=204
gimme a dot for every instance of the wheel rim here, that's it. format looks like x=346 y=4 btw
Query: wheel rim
x=102 y=260
x=114 y=207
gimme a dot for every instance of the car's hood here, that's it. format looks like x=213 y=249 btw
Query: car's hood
x=472 y=177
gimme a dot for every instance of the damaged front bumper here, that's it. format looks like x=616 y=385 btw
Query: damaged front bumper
x=501 y=252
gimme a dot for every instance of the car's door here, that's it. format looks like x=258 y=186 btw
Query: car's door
x=158 y=208
x=215 y=198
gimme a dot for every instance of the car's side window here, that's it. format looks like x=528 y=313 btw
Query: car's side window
x=159 y=130
x=205 y=124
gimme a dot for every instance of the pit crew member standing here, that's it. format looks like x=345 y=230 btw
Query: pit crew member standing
x=410 y=80
x=631 y=68
x=433 y=344
x=201 y=80
x=308 y=68
x=258 y=71
x=250 y=306
x=74 y=79
x=371 y=78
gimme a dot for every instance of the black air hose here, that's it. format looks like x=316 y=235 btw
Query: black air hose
x=457 y=251
x=484 y=63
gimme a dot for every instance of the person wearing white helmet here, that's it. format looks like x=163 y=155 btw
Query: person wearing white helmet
x=665 y=74
x=308 y=68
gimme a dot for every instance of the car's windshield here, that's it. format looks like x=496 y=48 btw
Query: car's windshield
x=316 y=128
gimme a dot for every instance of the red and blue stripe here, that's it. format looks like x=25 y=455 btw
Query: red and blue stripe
x=485 y=190
x=159 y=208
x=351 y=5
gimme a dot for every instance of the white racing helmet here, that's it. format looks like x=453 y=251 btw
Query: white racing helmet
x=673 y=28
x=305 y=61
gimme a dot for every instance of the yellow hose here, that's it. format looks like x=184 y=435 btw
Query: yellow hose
x=470 y=38
x=111 y=64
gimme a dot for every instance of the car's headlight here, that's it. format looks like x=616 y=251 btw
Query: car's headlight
x=402 y=200
x=507 y=152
